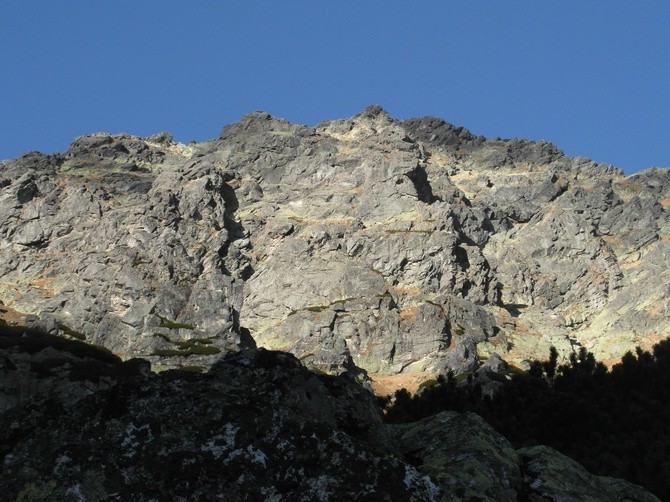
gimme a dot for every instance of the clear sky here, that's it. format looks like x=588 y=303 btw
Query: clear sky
x=592 y=76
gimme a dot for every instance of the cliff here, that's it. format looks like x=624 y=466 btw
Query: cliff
x=362 y=248
x=363 y=244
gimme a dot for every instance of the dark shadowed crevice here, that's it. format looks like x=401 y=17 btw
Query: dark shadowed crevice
x=424 y=191
x=461 y=256
x=235 y=232
x=392 y=354
x=246 y=340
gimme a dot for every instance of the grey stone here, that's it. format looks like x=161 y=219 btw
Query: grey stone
x=258 y=425
x=361 y=244
x=77 y=422
x=468 y=459
x=550 y=475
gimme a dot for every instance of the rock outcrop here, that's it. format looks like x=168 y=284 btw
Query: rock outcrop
x=360 y=245
x=257 y=426
x=470 y=461
x=549 y=475
x=464 y=455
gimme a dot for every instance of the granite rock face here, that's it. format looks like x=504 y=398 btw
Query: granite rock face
x=465 y=456
x=118 y=238
x=363 y=244
x=470 y=461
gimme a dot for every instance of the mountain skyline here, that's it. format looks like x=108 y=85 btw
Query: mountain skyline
x=592 y=79
x=280 y=271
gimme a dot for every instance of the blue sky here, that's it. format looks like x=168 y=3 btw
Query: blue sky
x=593 y=77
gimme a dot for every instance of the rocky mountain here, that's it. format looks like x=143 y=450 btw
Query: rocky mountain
x=204 y=320
x=366 y=244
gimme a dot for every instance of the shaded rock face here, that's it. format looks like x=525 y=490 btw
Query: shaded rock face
x=257 y=426
x=40 y=367
x=465 y=455
x=470 y=461
x=363 y=243
x=549 y=475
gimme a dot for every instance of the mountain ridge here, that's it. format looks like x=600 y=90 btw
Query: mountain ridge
x=453 y=246
x=272 y=275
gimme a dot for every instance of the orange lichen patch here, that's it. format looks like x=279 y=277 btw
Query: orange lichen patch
x=467 y=173
x=408 y=314
x=665 y=202
x=305 y=220
x=11 y=316
x=367 y=350
x=405 y=290
x=610 y=239
x=385 y=385
x=523 y=329
x=611 y=362
x=437 y=157
x=499 y=342
x=652 y=339
x=645 y=342
x=657 y=309
x=630 y=264
x=44 y=286
x=646 y=345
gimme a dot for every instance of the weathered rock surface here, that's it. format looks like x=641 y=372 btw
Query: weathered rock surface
x=468 y=459
x=364 y=243
x=119 y=240
x=257 y=426
x=40 y=367
x=549 y=475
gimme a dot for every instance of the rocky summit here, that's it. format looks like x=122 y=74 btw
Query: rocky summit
x=365 y=245
x=272 y=276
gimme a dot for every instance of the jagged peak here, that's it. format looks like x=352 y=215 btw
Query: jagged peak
x=258 y=121
x=436 y=129
x=260 y=116
x=373 y=112
x=370 y=122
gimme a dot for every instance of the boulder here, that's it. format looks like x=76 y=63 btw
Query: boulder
x=466 y=457
x=549 y=475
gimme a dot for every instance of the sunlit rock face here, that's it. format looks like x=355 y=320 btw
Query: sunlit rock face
x=363 y=244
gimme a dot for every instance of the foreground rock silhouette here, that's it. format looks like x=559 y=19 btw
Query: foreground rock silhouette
x=256 y=426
